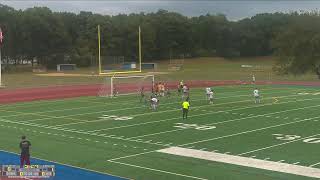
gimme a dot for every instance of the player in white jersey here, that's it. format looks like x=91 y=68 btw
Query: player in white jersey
x=253 y=79
x=256 y=95
x=185 y=90
x=208 y=90
x=211 y=97
x=154 y=103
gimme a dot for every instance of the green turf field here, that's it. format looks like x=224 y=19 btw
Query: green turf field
x=122 y=137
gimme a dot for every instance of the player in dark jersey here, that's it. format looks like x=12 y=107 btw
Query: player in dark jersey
x=25 y=151
x=142 y=95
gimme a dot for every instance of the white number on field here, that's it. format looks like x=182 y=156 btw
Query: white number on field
x=285 y=137
x=193 y=126
x=117 y=118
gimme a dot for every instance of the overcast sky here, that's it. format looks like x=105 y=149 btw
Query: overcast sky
x=234 y=10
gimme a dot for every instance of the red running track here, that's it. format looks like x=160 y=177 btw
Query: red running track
x=59 y=92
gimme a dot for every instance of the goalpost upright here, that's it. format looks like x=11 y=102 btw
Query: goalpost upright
x=119 y=72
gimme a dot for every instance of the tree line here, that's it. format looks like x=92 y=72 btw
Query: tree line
x=57 y=37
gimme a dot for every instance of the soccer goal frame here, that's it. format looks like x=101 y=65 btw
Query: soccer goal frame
x=128 y=77
x=107 y=90
x=118 y=72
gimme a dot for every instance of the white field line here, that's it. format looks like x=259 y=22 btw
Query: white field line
x=64 y=110
x=246 y=132
x=276 y=145
x=55 y=162
x=133 y=155
x=39 y=114
x=157 y=170
x=195 y=96
x=104 y=105
x=231 y=120
x=84 y=121
x=245 y=161
x=178 y=109
x=80 y=99
x=231 y=135
x=77 y=131
x=312 y=165
x=170 y=119
x=94 y=134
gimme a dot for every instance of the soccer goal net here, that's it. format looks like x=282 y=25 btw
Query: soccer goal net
x=124 y=85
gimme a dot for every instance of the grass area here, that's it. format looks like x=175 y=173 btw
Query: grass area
x=121 y=136
x=194 y=69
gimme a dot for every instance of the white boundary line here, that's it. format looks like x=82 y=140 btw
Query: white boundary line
x=157 y=170
x=312 y=165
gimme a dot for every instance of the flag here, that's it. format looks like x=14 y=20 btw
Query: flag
x=1 y=36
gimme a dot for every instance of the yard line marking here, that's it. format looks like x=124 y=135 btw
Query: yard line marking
x=151 y=122
x=82 y=122
x=157 y=170
x=133 y=155
x=244 y=161
x=226 y=121
x=312 y=165
x=276 y=145
x=78 y=132
x=246 y=132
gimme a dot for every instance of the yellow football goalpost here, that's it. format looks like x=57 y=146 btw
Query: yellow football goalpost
x=101 y=72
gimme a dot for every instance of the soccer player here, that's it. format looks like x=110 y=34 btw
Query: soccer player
x=185 y=89
x=115 y=91
x=208 y=90
x=154 y=103
x=167 y=92
x=25 y=151
x=180 y=86
x=253 y=79
x=211 y=97
x=256 y=95
x=142 y=95
x=185 y=108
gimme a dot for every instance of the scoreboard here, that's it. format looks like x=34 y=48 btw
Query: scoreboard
x=28 y=171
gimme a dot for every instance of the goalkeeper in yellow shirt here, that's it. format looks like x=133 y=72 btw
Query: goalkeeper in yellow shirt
x=185 y=108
